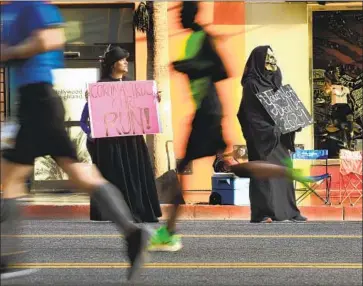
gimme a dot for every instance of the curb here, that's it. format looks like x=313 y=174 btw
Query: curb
x=194 y=212
x=353 y=213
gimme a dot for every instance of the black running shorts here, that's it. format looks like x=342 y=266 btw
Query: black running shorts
x=42 y=131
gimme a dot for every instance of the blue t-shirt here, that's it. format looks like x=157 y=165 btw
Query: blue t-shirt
x=19 y=20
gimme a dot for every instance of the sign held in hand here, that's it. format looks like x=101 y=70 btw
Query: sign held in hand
x=123 y=108
x=285 y=109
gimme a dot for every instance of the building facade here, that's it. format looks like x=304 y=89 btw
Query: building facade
x=302 y=50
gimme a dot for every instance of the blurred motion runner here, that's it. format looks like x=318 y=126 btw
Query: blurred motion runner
x=32 y=44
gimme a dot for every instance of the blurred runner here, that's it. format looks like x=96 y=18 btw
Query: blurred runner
x=32 y=44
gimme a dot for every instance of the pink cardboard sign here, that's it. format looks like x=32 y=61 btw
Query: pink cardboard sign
x=123 y=108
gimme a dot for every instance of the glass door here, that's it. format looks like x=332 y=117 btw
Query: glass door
x=89 y=30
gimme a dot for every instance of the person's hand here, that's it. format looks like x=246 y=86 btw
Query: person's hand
x=5 y=54
x=159 y=96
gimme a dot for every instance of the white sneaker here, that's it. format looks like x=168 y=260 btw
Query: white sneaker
x=9 y=273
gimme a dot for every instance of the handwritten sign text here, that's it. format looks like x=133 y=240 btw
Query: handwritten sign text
x=285 y=108
x=123 y=108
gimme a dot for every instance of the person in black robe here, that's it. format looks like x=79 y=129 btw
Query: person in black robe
x=124 y=161
x=271 y=199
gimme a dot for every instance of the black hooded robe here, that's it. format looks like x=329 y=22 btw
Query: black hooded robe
x=273 y=198
x=125 y=162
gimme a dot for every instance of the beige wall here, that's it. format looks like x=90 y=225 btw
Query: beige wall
x=285 y=28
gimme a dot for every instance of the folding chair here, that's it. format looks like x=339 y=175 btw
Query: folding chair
x=350 y=177
x=317 y=180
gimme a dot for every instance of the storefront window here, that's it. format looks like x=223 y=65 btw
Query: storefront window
x=87 y=26
x=337 y=79
x=90 y=29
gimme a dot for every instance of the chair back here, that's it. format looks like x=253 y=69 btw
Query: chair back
x=301 y=154
x=309 y=155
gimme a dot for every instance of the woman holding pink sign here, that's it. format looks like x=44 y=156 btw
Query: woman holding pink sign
x=124 y=161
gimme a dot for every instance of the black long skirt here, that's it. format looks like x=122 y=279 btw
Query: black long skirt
x=274 y=198
x=125 y=162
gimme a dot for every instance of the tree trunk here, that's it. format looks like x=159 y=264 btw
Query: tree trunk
x=157 y=69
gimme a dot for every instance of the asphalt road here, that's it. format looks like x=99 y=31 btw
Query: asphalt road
x=214 y=253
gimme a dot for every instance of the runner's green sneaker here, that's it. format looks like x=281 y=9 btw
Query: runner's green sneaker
x=296 y=174
x=161 y=240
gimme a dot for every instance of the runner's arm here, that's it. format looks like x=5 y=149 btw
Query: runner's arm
x=43 y=24
x=40 y=41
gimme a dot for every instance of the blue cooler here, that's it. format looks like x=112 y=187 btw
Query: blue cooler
x=227 y=189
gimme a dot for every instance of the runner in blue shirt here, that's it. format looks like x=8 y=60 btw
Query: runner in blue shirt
x=32 y=44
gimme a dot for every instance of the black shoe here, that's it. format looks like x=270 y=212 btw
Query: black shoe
x=9 y=273
x=137 y=243
x=299 y=218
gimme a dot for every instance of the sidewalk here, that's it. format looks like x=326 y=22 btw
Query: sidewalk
x=76 y=206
